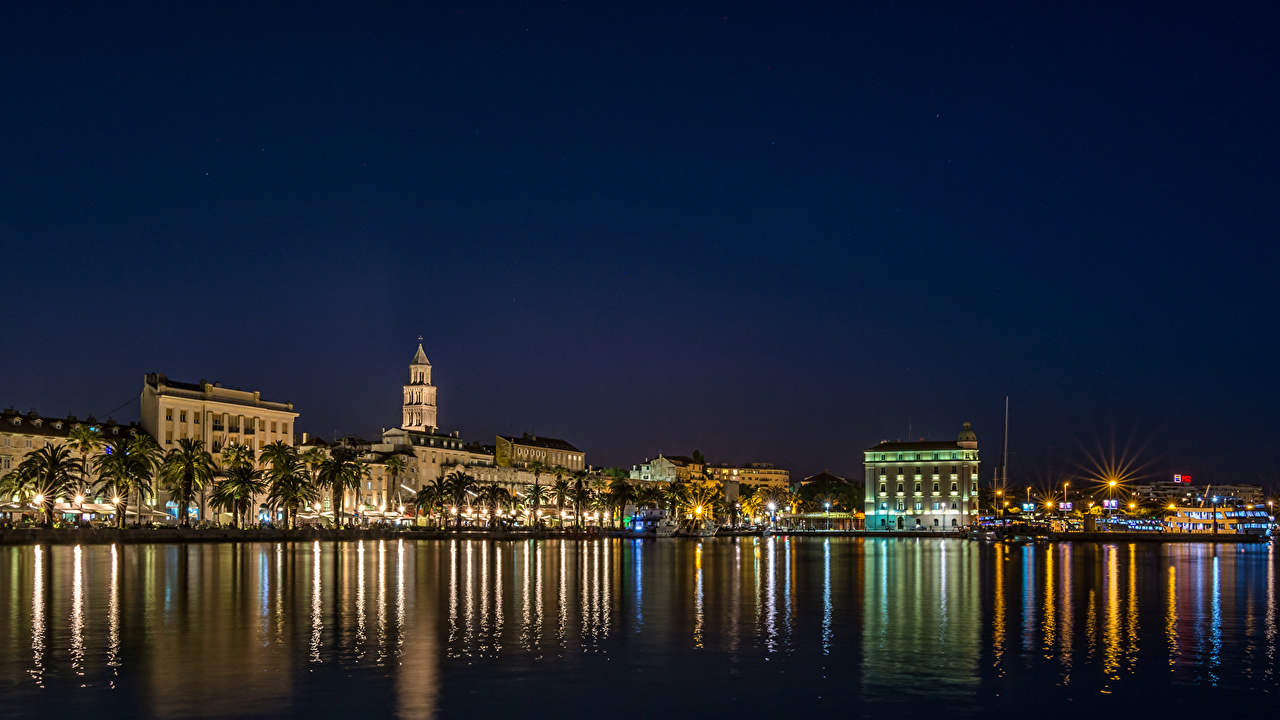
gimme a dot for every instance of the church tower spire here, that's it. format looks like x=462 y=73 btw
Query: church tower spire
x=420 y=395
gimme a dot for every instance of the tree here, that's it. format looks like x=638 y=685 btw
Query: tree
x=562 y=492
x=126 y=467
x=235 y=455
x=621 y=492
x=493 y=497
x=537 y=496
x=186 y=469
x=340 y=473
x=234 y=492
x=289 y=483
x=459 y=484
x=277 y=454
x=45 y=474
x=395 y=466
x=84 y=439
x=581 y=494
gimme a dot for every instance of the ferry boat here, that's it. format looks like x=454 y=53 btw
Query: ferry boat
x=1241 y=521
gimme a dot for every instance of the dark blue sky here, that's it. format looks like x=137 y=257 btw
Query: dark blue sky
x=767 y=231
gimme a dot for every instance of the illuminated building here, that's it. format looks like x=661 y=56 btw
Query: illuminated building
x=922 y=485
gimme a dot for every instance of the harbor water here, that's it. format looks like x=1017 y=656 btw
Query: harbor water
x=723 y=627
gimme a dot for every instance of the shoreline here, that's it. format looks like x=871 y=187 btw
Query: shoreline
x=108 y=536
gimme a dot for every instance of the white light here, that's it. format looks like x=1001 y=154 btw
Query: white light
x=79 y=499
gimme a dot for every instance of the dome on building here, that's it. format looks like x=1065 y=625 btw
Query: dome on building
x=967 y=434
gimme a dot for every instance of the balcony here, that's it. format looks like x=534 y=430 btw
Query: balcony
x=233 y=429
x=216 y=427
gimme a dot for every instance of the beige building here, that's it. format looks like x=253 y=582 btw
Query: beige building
x=21 y=433
x=668 y=468
x=218 y=416
x=207 y=411
x=521 y=452
x=753 y=475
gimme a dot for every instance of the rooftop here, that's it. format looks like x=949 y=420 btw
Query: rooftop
x=541 y=442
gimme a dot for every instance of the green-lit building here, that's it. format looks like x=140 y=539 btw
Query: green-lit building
x=922 y=485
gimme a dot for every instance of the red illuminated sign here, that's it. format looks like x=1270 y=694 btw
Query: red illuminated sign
x=1182 y=478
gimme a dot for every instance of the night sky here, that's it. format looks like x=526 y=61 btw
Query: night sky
x=767 y=231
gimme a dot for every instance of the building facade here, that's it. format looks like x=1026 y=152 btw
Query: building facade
x=922 y=485
x=207 y=411
x=756 y=475
x=22 y=433
x=668 y=468
x=521 y=452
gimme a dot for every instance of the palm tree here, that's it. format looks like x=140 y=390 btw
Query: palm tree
x=289 y=486
x=339 y=473
x=561 y=492
x=277 y=454
x=45 y=474
x=621 y=492
x=560 y=472
x=185 y=470
x=235 y=455
x=127 y=468
x=537 y=469
x=494 y=497
x=234 y=493
x=84 y=439
x=459 y=484
x=395 y=467
x=537 y=495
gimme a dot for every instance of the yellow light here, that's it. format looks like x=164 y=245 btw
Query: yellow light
x=453 y=510
x=1132 y=505
x=1112 y=483
x=401 y=508
x=79 y=499
x=1171 y=506
x=39 y=499
x=115 y=500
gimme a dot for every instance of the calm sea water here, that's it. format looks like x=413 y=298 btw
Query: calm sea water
x=660 y=628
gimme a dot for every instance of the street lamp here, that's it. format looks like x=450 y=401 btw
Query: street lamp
x=828 y=517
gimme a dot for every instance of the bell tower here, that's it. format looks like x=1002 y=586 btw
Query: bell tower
x=420 y=395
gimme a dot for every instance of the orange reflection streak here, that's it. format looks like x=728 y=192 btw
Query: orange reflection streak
x=1067 y=614
x=1050 y=619
x=317 y=616
x=77 y=613
x=1171 y=614
x=382 y=600
x=1111 y=630
x=37 y=619
x=359 y=599
x=1091 y=623
x=998 y=630
x=697 y=595
x=113 y=616
x=1131 y=616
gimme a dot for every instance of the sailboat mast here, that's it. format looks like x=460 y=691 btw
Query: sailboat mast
x=1004 y=455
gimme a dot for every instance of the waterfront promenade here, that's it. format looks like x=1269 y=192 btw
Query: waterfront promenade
x=107 y=536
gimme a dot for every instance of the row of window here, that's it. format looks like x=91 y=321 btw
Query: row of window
x=955 y=487
x=901 y=506
x=944 y=455
x=217 y=423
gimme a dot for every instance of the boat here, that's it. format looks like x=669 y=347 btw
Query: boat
x=1026 y=532
x=1229 y=521
x=666 y=527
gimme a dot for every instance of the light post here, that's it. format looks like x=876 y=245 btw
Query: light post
x=828 y=517
x=999 y=498
x=773 y=519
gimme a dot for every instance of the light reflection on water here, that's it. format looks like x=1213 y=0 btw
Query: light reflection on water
x=418 y=629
